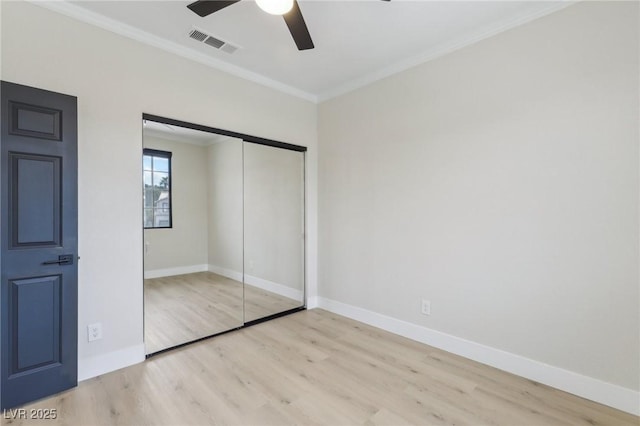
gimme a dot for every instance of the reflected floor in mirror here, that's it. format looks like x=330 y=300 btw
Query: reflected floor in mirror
x=183 y=308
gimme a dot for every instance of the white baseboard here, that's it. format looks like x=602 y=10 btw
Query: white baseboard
x=280 y=289
x=267 y=285
x=596 y=390
x=180 y=270
x=312 y=302
x=229 y=273
x=106 y=363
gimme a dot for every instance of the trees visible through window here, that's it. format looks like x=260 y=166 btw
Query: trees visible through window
x=156 y=167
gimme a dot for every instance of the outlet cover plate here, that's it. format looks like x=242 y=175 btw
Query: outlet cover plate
x=426 y=307
x=94 y=332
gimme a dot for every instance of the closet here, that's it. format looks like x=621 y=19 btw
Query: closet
x=224 y=221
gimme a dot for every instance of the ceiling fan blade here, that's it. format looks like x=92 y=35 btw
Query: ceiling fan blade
x=298 y=28
x=207 y=7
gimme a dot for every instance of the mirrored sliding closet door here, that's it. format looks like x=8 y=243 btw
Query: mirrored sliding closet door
x=223 y=232
x=273 y=230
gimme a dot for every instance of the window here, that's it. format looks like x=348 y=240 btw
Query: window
x=156 y=166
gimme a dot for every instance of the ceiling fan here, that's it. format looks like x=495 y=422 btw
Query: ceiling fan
x=289 y=10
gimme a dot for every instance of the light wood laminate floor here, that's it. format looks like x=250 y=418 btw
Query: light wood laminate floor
x=317 y=368
x=183 y=308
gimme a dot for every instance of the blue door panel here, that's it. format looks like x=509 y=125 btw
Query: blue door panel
x=35 y=183
x=35 y=121
x=35 y=322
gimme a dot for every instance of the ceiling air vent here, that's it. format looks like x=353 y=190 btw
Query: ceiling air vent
x=197 y=35
x=212 y=41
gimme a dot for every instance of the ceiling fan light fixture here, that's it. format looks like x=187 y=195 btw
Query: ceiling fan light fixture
x=275 y=7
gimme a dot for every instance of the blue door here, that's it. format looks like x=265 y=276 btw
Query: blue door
x=39 y=234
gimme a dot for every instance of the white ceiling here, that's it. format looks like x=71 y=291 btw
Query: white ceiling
x=357 y=41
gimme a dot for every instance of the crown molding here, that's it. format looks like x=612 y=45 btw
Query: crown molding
x=101 y=21
x=92 y=18
x=441 y=50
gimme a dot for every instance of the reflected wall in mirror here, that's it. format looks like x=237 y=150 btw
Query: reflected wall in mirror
x=273 y=230
x=192 y=218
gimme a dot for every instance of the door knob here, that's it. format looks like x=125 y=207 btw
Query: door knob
x=63 y=259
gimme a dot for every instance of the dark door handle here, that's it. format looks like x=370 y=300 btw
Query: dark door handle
x=63 y=259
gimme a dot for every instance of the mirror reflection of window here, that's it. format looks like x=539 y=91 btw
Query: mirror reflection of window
x=156 y=188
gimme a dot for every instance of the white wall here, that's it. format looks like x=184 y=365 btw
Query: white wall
x=184 y=246
x=116 y=80
x=501 y=183
x=225 y=204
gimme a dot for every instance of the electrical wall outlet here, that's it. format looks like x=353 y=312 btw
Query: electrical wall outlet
x=94 y=332
x=426 y=307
